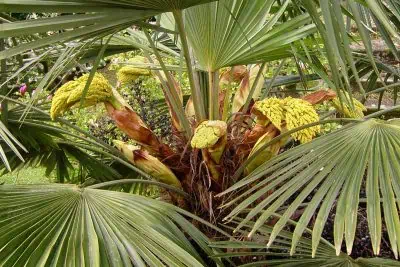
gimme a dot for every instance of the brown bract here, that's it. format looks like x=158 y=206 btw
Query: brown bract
x=142 y=159
x=235 y=74
x=251 y=137
x=320 y=96
x=131 y=124
x=258 y=130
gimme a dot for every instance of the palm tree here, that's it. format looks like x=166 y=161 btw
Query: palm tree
x=223 y=176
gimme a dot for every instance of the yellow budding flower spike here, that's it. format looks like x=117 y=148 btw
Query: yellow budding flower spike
x=269 y=110
x=70 y=93
x=284 y=114
x=211 y=135
x=290 y=113
x=299 y=112
x=208 y=133
x=346 y=110
x=129 y=74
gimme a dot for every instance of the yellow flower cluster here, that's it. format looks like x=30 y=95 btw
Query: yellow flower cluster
x=294 y=112
x=208 y=133
x=272 y=109
x=299 y=112
x=129 y=74
x=346 y=110
x=70 y=93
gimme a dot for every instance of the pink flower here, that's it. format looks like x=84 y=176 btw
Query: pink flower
x=22 y=89
x=49 y=97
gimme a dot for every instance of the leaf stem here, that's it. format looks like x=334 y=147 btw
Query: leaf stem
x=213 y=94
x=171 y=93
x=197 y=98
x=253 y=87
x=132 y=181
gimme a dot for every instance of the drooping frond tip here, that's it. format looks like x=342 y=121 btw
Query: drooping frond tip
x=70 y=94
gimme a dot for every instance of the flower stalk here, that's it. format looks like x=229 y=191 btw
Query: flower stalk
x=197 y=97
x=213 y=94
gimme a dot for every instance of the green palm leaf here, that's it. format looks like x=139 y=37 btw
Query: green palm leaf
x=12 y=143
x=73 y=6
x=230 y=32
x=277 y=254
x=91 y=19
x=64 y=225
x=332 y=171
x=47 y=148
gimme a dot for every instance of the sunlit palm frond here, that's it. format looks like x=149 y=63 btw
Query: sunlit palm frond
x=278 y=255
x=334 y=174
x=92 y=19
x=88 y=32
x=64 y=225
x=230 y=32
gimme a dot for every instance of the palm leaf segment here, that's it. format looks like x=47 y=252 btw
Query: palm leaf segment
x=91 y=19
x=227 y=33
x=332 y=172
x=59 y=225
x=278 y=253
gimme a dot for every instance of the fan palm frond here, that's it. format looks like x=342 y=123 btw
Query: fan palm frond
x=277 y=254
x=227 y=33
x=64 y=225
x=356 y=165
x=92 y=19
x=47 y=148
